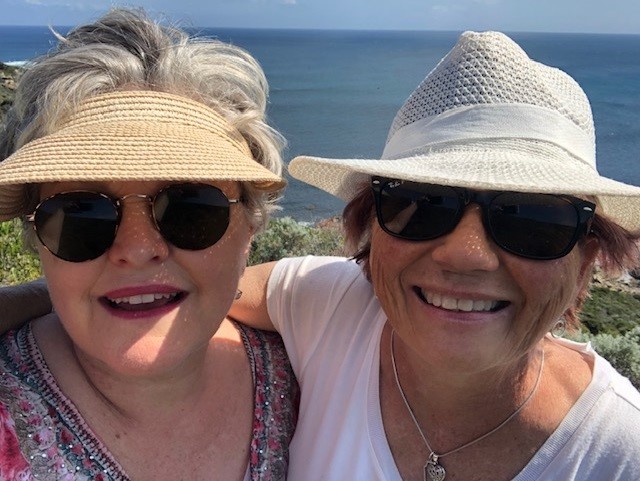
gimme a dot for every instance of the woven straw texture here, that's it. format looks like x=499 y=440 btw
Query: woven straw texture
x=133 y=135
x=549 y=146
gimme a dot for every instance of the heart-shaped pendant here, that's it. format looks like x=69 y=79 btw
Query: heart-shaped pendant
x=434 y=472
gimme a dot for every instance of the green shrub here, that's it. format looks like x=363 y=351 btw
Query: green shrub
x=610 y=312
x=623 y=352
x=287 y=238
x=17 y=264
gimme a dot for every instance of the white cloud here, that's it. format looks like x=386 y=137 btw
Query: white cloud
x=289 y=2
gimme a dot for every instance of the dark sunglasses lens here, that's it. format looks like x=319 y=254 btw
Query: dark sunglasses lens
x=192 y=216
x=416 y=211
x=536 y=226
x=77 y=226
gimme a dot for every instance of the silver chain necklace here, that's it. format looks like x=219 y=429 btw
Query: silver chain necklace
x=433 y=470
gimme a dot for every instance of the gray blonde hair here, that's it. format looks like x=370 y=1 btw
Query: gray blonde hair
x=126 y=50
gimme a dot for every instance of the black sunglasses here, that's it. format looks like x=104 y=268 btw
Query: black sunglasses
x=79 y=226
x=535 y=226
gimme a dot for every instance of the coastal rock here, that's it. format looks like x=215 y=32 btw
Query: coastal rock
x=8 y=77
x=627 y=282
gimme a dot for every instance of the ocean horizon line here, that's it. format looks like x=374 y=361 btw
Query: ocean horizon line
x=356 y=30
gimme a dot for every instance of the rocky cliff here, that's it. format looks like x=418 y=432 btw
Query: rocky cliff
x=8 y=77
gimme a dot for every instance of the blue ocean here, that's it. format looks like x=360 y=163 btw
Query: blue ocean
x=335 y=93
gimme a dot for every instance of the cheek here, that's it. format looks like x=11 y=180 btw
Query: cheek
x=386 y=261
x=227 y=259
x=379 y=250
x=550 y=288
x=56 y=269
x=239 y=244
x=68 y=282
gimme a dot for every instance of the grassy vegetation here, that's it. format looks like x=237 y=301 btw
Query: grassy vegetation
x=611 y=319
x=610 y=312
x=17 y=264
x=622 y=351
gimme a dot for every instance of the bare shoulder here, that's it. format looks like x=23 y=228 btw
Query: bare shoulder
x=49 y=333
x=55 y=345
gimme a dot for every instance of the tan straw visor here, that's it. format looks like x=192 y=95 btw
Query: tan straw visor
x=134 y=135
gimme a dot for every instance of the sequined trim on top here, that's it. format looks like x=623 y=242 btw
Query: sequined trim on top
x=44 y=437
x=55 y=442
x=276 y=404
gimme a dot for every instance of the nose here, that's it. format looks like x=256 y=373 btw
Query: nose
x=467 y=247
x=137 y=241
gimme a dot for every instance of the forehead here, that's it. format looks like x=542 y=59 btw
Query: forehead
x=122 y=188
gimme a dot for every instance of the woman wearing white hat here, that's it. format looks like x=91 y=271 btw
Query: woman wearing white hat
x=475 y=235
x=141 y=160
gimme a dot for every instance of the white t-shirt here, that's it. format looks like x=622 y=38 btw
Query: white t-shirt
x=331 y=324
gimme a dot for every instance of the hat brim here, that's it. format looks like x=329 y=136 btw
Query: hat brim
x=141 y=146
x=535 y=169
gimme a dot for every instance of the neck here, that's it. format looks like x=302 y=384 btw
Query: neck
x=459 y=407
x=136 y=397
x=145 y=397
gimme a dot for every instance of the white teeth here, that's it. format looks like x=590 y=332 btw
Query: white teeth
x=453 y=304
x=449 y=303
x=142 y=298
x=465 y=305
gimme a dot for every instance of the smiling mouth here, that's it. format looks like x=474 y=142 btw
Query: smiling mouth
x=460 y=305
x=144 y=302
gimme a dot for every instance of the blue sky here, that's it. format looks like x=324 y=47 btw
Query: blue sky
x=593 y=16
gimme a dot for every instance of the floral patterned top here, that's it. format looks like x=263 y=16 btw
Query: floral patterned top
x=44 y=437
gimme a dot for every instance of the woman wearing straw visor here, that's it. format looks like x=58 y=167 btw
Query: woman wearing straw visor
x=141 y=160
x=432 y=356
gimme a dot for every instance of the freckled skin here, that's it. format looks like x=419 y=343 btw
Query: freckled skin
x=466 y=264
x=139 y=257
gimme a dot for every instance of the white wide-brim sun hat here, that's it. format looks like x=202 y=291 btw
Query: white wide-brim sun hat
x=488 y=117
x=134 y=135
